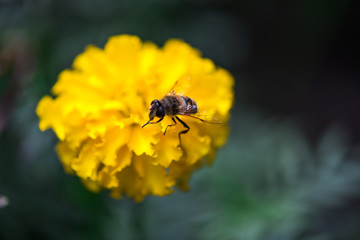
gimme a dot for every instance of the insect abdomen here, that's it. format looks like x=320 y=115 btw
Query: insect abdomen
x=188 y=105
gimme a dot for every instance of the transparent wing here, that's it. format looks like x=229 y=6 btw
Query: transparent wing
x=181 y=86
x=207 y=118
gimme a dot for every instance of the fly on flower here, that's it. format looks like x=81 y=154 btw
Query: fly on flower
x=174 y=104
x=97 y=111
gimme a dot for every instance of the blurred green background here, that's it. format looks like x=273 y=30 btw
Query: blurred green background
x=291 y=167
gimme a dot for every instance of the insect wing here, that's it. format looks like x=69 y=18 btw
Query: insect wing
x=207 y=118
x=181 y=86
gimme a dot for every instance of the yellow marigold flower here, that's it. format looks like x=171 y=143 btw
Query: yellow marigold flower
x=101 y=104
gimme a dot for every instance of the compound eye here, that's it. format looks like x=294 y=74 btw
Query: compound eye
x=156 y=102
x=160 y=112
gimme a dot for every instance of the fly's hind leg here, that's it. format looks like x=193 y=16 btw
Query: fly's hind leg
x=171 y=124
x=184 y=131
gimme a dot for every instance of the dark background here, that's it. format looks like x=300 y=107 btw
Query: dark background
x=291 y=168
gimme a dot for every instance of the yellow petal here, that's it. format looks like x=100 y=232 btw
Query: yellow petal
x=124 y=51
x=66 y=154
x=168 y=149
x=142 y=140
x=157 y=180
x=87 y=162
x=48 y=112
x=114 y=139
x=94 y=62
x=181 y=172
x=123 y=159
x=149 y=57
x=80 y=83
x=195 y=146
x=91 y=185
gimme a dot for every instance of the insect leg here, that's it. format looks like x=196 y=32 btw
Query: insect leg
x=171 y=124
x=184 y=131
x=152 y=122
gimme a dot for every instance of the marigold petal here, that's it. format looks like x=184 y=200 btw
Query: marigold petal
x=177 y=57
x=108 y=175
x=48 y=112
x=124 y=158
x=195 y=146
x=87 y=162
x=158 y=182
x=94 y=62
x=142 y=140
x=91 y=185
x=124 y=51
x=149 y=57
x=114 y=139
x=66 y=155
x=129 y=183
x=106 y=179
x=168 y=149
x=181 y=172
x=80 y=83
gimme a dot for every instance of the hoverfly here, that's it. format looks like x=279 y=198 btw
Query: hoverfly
x=172 y=105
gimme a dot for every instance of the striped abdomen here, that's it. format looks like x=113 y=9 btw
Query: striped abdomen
x=177 y=104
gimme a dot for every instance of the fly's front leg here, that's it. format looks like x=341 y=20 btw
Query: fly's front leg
x=184 y=131
x=171 y=124
x=152 y=122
